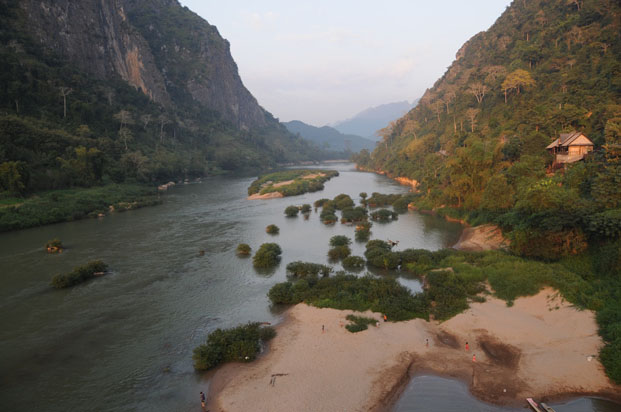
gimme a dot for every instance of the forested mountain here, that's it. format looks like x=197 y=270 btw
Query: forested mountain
x=477 y=140
x=369 y=121
x=329 y=138
x=145 y=90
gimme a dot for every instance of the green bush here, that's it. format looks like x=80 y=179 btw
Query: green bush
x=343 y=291
x=359 y=323
x=362 y=235
x=357 y=214
x=306 y=208
x=243 y=249
x=292 y=211
x=240 y=344
x=301 y=270
x=343 y=201
x=339 y=240
x=79 y=274
x=272 y=229
x=339 y=252
x=267 y=256
x=384 y=215
x=320 y=202
x=353 y=263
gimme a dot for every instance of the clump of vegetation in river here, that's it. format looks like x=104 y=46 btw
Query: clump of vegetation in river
x=306 y=208
x=340 y=247
x=267 y=256
x=239 y=344
x=353 y=263
x=354 y=214
x=363 y=231
x=272 y=229
x=339 y=240
x=384 y=215
x=359 y=323
x=301 y=270
x=243 y=249
x=292 y=211
x=79 y=274
x=379 y=254
x=345 y=291
x=54 y=246
x=292 y=182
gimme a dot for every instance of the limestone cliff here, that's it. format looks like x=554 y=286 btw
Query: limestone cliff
x=159 y=47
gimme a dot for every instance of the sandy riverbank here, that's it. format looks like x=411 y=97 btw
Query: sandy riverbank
x=479 y=238
x=540 y=347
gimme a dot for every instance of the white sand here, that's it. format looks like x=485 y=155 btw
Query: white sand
x=539 y=347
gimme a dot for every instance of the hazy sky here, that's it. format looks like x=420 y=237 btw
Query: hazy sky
x=323 y=61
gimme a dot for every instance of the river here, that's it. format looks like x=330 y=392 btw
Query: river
x=124 y=342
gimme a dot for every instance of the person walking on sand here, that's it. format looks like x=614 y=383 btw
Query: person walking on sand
x=385 y=318
x=323 y=328
x=474 y=358
x=203 y=401
x=467 y=347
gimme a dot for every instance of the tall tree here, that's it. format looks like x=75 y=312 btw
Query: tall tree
x=478 y=90
x=516 y=80
x=64 y=92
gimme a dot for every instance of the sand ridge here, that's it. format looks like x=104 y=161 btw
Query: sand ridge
x=540 y=347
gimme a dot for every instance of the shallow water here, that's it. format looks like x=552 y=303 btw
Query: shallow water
x=428 y=393
x=124 y=342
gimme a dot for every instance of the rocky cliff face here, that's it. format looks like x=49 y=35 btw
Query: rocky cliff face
x=158 y=46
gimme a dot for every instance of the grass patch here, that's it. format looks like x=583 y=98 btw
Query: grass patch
x=73 y=204
x=300 y=182
x=358 y=323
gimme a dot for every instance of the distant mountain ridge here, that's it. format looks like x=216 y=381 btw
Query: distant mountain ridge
x=328 y=138
x=369 y=121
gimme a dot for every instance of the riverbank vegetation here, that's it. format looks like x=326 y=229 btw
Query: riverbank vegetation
x=79 y=274
x=453 y=279
x=292 y=211
x=272 y=229
x=240 y=344
x=291 y=182
x=72 y=204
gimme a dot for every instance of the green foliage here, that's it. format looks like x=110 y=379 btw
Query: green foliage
x=292 y=211
x=67 y=205
x=354 y=263
x=301 y=270
x=267 y=256
x=384 y=215
x=339 y=240
x=243 y=249
x=356 y=214
x=306 y=208
x=272 y=229
x=358 y=323
x=379 y=200
x=343 y=201
x=379 y=254
x=302 y=181
x=79 y=274
x=239 y=344
x=350 y=292
x=339 y=252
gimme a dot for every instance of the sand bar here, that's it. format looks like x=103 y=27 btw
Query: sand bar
x=541 y=347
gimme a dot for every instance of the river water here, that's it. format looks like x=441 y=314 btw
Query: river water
x=124 y=342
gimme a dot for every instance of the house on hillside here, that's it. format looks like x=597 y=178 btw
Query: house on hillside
x=570 y=147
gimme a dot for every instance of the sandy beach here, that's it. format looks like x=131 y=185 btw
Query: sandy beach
x=541 y=347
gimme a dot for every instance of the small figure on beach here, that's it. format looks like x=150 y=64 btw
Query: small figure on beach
x=467 y=347
x=377 y=324
x=203 y=400
x=385 y=318
x=474 y=358
x=427 y=342
x=323 y=328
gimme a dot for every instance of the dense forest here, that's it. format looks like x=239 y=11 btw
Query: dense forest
x=476 y=142
x=64 y=127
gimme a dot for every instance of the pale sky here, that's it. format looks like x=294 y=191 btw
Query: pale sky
x=323 y=61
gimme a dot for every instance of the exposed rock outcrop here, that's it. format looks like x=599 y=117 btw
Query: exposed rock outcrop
x=484 y=237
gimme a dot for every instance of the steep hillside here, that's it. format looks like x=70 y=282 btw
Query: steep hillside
x=477 y=139
x=329 y=138
x=93 y=92
x=368 y=122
